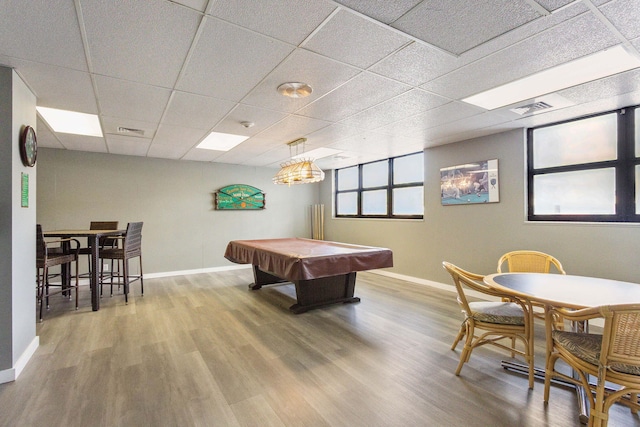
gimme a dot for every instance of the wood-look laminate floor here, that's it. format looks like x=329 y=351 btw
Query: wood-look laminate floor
x=203 y=350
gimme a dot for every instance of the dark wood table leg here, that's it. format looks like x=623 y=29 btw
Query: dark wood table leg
x=65 y=272
x=94 y=276
x=324 y=291
x=261 y=278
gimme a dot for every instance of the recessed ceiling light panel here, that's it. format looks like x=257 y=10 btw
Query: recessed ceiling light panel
x=72 y=122
x=221 y=141
x=592 y=67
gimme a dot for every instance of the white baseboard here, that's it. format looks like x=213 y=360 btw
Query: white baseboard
x=430 y=283
x=12 y=374
x=196 y=271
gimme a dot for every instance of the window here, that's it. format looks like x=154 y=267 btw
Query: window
x=391 y=188
x=586 y=169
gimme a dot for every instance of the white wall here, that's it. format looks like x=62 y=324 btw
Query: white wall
x=174 y=199
x=475 y=236
x=17 y=232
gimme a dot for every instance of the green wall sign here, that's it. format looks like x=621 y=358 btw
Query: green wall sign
x=239 y=197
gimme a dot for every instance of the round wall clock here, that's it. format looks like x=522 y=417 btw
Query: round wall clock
x=28 y=146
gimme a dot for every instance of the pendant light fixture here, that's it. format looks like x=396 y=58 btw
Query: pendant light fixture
x=298 y=171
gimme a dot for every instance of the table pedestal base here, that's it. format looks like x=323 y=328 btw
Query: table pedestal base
x=538 y=373
x=312 y=293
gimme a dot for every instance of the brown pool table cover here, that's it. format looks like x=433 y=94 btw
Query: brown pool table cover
x=306 y=259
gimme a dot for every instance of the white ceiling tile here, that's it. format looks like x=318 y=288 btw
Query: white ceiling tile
x=352 y=39
x=570 y=40
x=128 y=146
x=402 y=106
x=198 y=5
x=415 y=125
x=260 y=117
x=522 y=33
x=142 y=41
x=42 y=32
x=228 y=61
x=82 y=143
x=321 y=73
x=56 y=87
x=175 y=141
x=292 y=127
x=552 y=5
x=288 y=20
x=202 y=112
x=362 y=92
x=45 y=137
x=125 y=99
x=381 y=10
x=459 y=25
x=624 y=16
x=201 y=155
x=416 y=64
x=330 y=134
x=609 y=87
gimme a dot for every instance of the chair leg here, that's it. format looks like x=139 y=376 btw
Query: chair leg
x=141 y=279
x=468 y=346
x=549 y=369
x=41 y=290
x=125 y=279
x=77 y=280
x=459 y=336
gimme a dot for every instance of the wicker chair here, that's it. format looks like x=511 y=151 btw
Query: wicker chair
x=499 y=320
x=529 y=262
x=612 y=357
x=48 y=256
x=525 y=261
x=104 y=242
x=131 y=247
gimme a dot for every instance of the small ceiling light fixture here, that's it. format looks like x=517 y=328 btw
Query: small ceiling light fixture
x=295 y=89
x=298 y=171
x=582 y=70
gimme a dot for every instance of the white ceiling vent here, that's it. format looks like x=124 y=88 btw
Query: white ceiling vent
x=531 y=108
x=136 y=132
x=541 y=104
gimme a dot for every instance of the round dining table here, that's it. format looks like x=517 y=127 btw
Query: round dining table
x=563 y=290
x=567 y=291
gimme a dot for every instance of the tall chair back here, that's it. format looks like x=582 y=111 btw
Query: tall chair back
x=133 y=240
x=525 y=261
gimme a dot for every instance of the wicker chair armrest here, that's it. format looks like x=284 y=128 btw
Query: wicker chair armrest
x=110 y=241
x=576 y=315
x=74 y=242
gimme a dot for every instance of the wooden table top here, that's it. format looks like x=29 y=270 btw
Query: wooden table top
x=83 y=233
x=568 y=291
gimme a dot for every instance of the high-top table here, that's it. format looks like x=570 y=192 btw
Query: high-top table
x=560 y=290
x=93 y=238
x=323 y=272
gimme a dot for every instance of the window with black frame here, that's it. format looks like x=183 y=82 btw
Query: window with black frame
x=585 y=170
x=390 y=188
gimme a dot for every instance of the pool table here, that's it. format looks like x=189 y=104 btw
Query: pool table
x=323 y=272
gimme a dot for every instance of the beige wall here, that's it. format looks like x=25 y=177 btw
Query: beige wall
x=475 y=236
x=174 y=199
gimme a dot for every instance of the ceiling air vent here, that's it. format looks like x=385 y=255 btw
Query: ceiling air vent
x=531 y=108
x=124 y=130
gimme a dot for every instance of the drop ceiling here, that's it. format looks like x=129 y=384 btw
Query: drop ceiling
x=387 y=76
